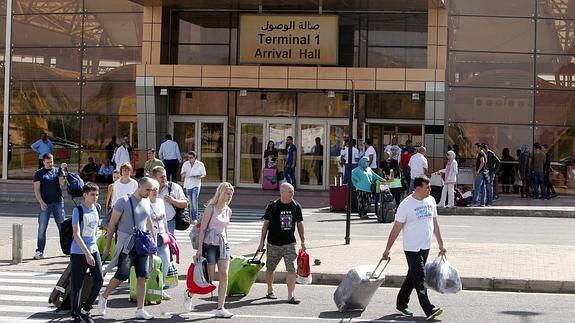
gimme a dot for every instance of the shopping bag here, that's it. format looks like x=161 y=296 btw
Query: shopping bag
x=303 y=268
x=172 y=276
x=442 y=277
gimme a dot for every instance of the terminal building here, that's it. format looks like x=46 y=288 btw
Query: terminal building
x=226 y=77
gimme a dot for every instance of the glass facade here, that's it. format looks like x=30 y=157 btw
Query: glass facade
x=73 y=77
x=365 y=39
x=510 y=78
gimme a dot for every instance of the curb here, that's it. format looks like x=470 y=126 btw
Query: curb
x=469 y=283
x=533 y=212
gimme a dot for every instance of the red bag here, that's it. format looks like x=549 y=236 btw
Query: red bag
x=303 y=268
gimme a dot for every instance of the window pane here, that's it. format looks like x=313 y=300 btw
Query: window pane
x=199 y=103
x=490 y=105
x=492 y=34
x=552 y=9
x=320 y=105
x=24 y=161
x=555 y=108
x=98 y=130
x=555 y=71
x=267 y=104
x=555 y=36
x=203 y=27
x=489 y=69
x=45 y=6
x=493 y=7
x=397 y=57
x=394 y=106
x=113 y=29
x=45 y=97
x=47 y=30
x=111 y=63
x=397 y=30
x=46 y=63
x=465 y=135
x=109 y=98
x=111 y=6
x=203 y=54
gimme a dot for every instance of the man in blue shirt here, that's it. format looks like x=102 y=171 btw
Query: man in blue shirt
x=42 y=146
x=289 y=167
x=48 y=182
x=170 y=155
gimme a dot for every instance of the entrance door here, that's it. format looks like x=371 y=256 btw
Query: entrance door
x=207 y=137
x=254 y=135
x=318 y=162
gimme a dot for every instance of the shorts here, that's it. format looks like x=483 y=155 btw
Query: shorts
x=212 y=253
x=126 y=261
x=275 y=253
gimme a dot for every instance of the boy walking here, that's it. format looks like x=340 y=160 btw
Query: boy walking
x=84 y=254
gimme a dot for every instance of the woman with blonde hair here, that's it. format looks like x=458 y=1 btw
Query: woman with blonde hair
x=214 y=246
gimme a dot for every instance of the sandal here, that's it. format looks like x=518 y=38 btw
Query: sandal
x=271 y=296
x=293 y=300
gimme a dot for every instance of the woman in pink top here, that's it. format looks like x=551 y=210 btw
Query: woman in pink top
x=213 y=233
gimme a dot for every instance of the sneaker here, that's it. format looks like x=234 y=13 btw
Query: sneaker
x=142 y=314
x=102 y=304
x=85 y=315
x=187 y=301
x=434 y=313
x=405 y=311
x=165 y=296
x=271 y=296
x=224 y=313
x=294 y=301
x=38 y=255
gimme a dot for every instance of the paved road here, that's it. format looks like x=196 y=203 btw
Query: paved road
x=23 y=298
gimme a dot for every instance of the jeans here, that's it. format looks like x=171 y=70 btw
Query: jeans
x=172 y=226
x=289 y=175
x=414 y=279
x=164 y=254
x=344 y=179
x=79 y=266
x=171 y=169
x=549 y=186
x=538 y=181
x=479 y=189
x=57 y=209
x=410 y=187
x=193 y=196
x=489 y=187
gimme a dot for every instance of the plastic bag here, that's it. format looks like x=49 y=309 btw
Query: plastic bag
x=303 y=268
x=442 y=277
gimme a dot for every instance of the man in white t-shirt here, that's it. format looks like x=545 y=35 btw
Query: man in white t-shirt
x=172 y=194
x=393 y=147
x=371 y=154
x=416 y=216
x=354 y=161
x=418 y=166
x=192 y=172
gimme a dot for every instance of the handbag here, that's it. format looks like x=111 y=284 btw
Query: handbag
x=195 y=232
x=182 y=216
x=143 y=241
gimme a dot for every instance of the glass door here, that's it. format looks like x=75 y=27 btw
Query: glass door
x=207 y=137
x=254 y=135
x=338 y=133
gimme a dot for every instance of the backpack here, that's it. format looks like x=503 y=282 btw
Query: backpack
x=67 y=232
x=182 y=216
x=493 y=162
x=74 y=184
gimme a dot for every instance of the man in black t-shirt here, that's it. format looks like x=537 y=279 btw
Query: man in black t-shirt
x=481 y=176
x=280 y=221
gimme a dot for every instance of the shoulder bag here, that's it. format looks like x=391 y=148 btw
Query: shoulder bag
x=143 y=241
x=182 y=216
x=195 y=232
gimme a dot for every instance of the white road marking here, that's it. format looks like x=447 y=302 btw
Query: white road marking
x=13 y=319
x=29 y=274
x=25 y=309
x=28 y=281
x=23 y=298
x=28 y=289
x=294 y=318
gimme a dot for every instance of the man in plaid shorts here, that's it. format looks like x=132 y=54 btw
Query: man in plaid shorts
x=280 y=220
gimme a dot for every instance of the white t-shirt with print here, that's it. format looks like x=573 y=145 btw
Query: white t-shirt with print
x=371 y=151
x=417 y=163
x=417 y=218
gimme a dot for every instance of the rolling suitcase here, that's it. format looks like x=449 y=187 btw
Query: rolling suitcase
x=337 y=197
x=154 y=284
x=386 y=210
x=60 y=296
x=243 y=273
x=269 y=179
x=358 y=287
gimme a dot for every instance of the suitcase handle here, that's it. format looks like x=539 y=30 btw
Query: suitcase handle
x=253 y=260
x=382 y=269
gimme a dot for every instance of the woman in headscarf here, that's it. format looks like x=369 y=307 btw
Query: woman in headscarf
x=362 y=178
x=449 y=181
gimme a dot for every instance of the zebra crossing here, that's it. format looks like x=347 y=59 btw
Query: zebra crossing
x=245 y=225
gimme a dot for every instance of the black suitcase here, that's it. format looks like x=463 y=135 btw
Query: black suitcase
x=436 y=193
x=386 y=210
x=60 y=296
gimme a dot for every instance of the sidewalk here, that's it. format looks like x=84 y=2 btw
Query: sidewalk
x=482 y=266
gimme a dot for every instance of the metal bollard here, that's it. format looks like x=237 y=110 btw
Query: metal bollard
x=16 y=243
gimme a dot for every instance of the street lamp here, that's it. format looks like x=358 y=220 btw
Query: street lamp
x=349 y=162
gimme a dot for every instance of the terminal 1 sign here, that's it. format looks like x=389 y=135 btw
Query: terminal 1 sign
x=279 y=39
